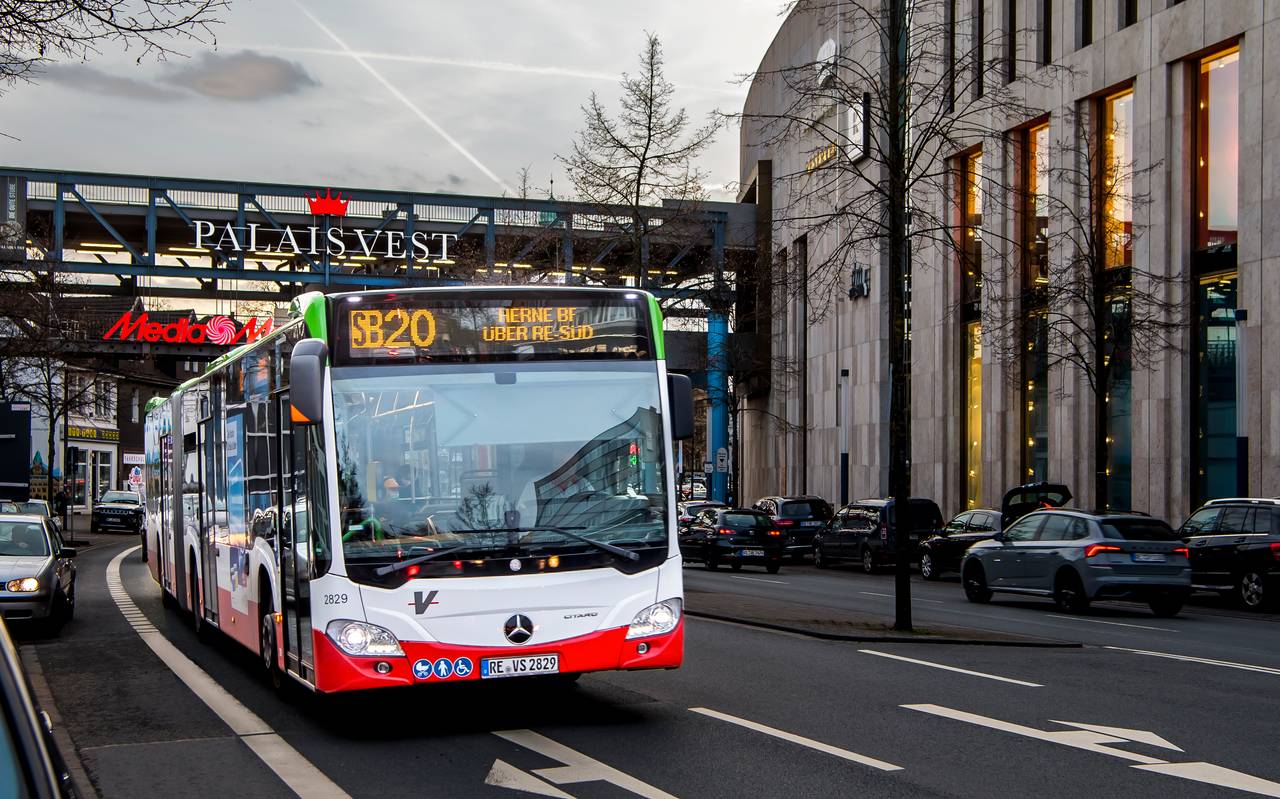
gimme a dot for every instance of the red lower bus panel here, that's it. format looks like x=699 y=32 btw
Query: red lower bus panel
x=601 y=651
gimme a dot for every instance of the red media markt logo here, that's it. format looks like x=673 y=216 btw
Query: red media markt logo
x=328 y=205
x=214 y=330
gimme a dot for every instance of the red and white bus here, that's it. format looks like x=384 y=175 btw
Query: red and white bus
x=428 y=486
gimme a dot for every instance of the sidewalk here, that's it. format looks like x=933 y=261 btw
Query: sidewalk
x=836 y=624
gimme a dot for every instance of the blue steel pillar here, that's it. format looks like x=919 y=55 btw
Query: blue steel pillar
x=718 y=394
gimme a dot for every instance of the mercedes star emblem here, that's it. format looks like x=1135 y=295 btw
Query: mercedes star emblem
x=518 y=629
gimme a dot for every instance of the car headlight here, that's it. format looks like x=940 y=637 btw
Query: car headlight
x=359 y=638
x=655 y=619
x=24 y=586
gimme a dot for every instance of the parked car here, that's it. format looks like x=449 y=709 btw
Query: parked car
x=942 y=552
x=1077 y=557
x=118 y=510
x=799 y=519
x=7 y=507
x=37 y=575
x=686 y=511
x=866 y=531
x=30 y=763
x=1235 y=549
x=736 y=536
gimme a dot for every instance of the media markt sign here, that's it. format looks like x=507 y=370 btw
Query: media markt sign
x=221 y=330
x=323 y=239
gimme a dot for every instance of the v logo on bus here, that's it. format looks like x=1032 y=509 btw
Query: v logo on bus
x=421 y=603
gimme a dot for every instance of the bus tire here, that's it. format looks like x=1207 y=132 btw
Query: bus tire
x=267 y=646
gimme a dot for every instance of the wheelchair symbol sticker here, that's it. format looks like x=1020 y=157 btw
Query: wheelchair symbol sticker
x=462 y=667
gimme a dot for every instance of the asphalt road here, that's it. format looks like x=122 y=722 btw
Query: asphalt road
x=752 y=712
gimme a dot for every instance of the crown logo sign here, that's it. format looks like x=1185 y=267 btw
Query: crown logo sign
x=328 y=205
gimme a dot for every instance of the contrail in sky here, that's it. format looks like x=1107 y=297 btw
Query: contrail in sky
x=412 y=106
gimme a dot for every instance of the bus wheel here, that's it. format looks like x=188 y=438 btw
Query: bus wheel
x=267 y=648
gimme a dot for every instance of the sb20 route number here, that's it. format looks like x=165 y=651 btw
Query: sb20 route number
x=392 y=329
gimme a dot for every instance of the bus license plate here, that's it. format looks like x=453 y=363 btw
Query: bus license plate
x=519 y=667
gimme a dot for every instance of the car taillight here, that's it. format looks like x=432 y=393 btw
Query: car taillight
x=775 y=532
x=725 y=531
x=686 y=518
x=884 y=531
x=1182 y=551
x=1095 y=549
x=786 y=522
x=1275 y=552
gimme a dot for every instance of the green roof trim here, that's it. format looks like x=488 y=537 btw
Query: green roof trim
x=154 y=403
x=311 y=306
x=655 y=315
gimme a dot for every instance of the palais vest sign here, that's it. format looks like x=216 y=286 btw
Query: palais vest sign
x=329 y=239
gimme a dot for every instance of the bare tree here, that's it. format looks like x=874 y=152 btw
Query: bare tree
x=37 y=32
x=1077 y=295
x=642 y=156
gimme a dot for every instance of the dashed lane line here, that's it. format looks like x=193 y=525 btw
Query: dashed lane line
x=955 y=669
x=1113 y=623
x=1227 y=664
x=798 y=739
x=757 y=579
x=292 y=768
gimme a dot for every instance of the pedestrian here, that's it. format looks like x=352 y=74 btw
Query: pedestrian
x=61 y=501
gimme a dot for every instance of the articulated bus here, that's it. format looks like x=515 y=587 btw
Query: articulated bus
x=433 y=485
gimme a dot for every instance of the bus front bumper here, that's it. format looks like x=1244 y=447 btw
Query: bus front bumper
x=606 y=650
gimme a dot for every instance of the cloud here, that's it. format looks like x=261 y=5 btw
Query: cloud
x=84 y=78
x=244 y=76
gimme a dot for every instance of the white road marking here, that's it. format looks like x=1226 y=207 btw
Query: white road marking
x=1112 y=623
x=873 y=593
x=1216 y=775
x=933 y=665
x=757 y=579
x=291 y=767
x=1207 y=661
x=504 y=775
x=930 y=601
x=1094 y=738
x=577 y=766
x=799 y=739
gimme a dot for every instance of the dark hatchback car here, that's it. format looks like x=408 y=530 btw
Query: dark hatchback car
x=799 y=519
x=736 y=536
x=688 y=511
x=942 y=552
x=1235 y=550
x=118 y=510
x=30 y=763
x=866 y=531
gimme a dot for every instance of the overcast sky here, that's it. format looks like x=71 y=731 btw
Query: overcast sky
x=433 y=95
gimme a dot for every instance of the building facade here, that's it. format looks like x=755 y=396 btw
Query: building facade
x=1114 y=152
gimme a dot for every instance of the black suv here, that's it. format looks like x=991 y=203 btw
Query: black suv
x=799 y=519
x=865 y=531
x=1235 y=549
x=118 y=510
x=735 y=536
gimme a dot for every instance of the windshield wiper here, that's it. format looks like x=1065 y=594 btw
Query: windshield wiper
x=601 y=545
x=382 y=571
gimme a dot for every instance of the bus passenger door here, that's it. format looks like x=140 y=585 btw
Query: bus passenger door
x=295 y=547
x=165 y=529
x=205 y=534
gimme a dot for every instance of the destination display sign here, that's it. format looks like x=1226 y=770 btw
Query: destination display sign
x=409 y=327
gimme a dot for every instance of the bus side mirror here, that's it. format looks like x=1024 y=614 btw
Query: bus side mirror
x=680 y=396
x=306 y=381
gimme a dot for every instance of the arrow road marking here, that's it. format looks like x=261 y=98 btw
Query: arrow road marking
x=577 y=767
x=1094 y=737
x=505 y=775
x=798 y=739
x=951 y=668
x=1189 y=659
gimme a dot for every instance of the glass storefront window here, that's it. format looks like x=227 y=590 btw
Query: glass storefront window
x=1218 y=150
x=1036 y=416
x=1119 y=401
x=971 y=210
x=973 y=415
x=1215 y=387
x=1116 y=189
x=1036 y=223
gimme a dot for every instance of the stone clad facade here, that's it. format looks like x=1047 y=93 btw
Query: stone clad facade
x=820 y=427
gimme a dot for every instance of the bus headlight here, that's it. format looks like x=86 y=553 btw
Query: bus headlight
x=26 y=585
x=655 y=619
x=359 y=638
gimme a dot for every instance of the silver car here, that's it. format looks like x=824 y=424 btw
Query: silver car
x=37 y=575
x=1077 y=557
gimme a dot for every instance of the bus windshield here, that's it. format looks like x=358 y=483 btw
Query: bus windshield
x=498 y=461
